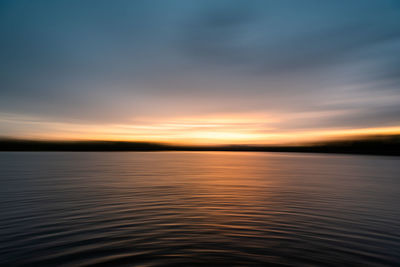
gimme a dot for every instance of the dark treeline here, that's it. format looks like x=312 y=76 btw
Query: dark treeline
x=378 y=145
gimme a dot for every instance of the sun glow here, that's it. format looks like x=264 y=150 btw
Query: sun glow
x=256 y=129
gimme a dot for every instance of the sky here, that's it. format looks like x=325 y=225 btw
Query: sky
x=199 y=71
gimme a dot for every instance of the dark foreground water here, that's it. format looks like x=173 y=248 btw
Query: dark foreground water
x=198 y=208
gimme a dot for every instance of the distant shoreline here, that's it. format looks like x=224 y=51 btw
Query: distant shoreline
x=371 y=146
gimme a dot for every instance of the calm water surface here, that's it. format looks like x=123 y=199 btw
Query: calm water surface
x=198 y=209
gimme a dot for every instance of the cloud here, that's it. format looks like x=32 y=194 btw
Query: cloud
x=102 y=61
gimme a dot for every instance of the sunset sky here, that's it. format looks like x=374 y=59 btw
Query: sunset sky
x=199 y=71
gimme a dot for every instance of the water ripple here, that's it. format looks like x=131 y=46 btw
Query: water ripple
x=198 y=209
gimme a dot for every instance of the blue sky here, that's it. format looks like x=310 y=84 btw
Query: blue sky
x=279 y=67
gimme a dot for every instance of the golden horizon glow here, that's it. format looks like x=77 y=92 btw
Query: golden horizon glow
x=213 y=130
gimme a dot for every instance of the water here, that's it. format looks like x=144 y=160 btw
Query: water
x=198 y=209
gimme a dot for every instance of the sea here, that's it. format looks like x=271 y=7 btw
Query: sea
x=198 y=209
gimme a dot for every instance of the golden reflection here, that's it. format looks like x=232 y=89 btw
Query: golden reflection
x=222 y=186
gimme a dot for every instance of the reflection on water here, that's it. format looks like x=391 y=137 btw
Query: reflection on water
x=198 y=208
